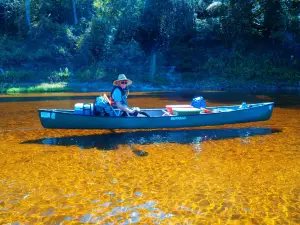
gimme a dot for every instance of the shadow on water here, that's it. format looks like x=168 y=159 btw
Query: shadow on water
x=111 y=141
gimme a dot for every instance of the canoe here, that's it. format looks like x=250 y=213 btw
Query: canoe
x=67 y=119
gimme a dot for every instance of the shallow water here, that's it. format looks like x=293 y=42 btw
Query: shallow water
x=234 y=174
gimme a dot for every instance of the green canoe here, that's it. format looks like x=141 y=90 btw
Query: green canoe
x=68 y=119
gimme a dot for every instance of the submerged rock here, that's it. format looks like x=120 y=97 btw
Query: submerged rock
x=140 y=153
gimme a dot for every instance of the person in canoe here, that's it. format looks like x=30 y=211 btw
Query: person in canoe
x=119 y=96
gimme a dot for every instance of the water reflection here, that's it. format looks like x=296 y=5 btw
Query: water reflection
x=24 y=98
x=111 y=141
x=284 y=99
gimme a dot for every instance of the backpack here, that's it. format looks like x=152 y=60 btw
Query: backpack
x=102 y=107
x=198 y=102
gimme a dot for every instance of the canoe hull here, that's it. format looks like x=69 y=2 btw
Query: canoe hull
x=65 y=119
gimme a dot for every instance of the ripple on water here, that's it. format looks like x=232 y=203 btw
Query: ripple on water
x=90 y=218
x=139 y=194
x=118 y=213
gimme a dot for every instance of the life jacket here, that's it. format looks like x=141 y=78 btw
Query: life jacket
x=123 y=96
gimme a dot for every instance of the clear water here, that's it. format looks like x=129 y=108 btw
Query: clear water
x=234 y=174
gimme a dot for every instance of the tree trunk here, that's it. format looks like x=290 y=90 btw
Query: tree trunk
x=273 y=16
x=152 y=64
x=89 y=8
x=74 y=12
x=27 y=7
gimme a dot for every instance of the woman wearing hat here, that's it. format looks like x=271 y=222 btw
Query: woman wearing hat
x=119 y=96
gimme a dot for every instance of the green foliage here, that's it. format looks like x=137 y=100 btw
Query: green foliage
x=238 y=21
x=247 y=67
x=35 y=89
x=161 y=79
x=61 y=75
x=215 y=65
x=274 y=16
x=118 y=36
x=46 y=28
x=163 y=22
x=85 y=74
x=206 y=28
x=11 y=51
x=93 y=73
x=216 y=9
x=14 y=15
x=191 y=76
x=124 y=57
x=14 y=53
x=18 y=76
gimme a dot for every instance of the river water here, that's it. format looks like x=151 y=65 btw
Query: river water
x=232 y=174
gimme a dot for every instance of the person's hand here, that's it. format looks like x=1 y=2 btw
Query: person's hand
x=131 y=111
x=136 y=109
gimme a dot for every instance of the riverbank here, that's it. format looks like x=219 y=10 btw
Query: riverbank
x=99 y=86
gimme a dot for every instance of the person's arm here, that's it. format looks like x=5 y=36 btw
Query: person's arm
x=124 y=108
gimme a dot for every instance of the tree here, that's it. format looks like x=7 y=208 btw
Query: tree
x=150 y=30
x=161 y=22
x=273 y=16
x=238 y=23
x=74 y=12
x=27 y=3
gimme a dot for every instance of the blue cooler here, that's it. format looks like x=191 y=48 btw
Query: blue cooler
x=83 y=109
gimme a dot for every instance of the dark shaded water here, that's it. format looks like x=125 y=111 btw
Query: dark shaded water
x=112 y=141
x=241 y=174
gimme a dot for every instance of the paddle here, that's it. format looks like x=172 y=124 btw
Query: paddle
x=144 y=114
x=137 y=111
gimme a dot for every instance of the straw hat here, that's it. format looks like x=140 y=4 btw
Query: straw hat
x=122 y=77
